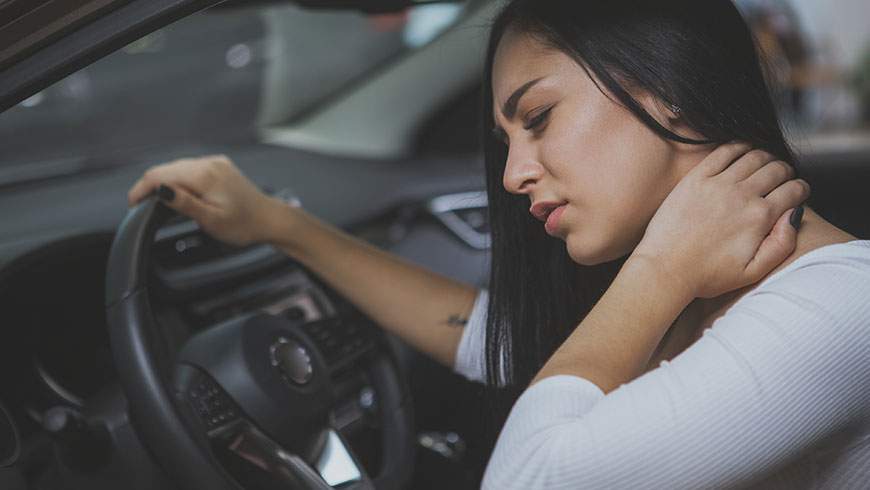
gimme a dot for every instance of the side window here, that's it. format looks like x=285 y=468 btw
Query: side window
x=196 y=79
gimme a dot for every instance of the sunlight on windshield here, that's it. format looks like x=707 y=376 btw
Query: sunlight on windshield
x=207 y=79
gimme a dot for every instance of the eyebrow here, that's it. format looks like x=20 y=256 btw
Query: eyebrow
x=509 y=109
x=510 y=106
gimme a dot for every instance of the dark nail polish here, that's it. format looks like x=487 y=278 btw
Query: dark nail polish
x=796 y=217
x=165 y=193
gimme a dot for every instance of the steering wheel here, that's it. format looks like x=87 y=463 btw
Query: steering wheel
x=251 y=395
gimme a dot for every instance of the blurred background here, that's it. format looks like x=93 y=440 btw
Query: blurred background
x=214 y=77
x=819 y=53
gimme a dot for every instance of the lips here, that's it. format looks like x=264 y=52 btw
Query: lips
x=549 y=212
x=552 y=224
x=542 y=210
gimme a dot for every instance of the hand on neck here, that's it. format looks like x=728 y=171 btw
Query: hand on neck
x=815 y=232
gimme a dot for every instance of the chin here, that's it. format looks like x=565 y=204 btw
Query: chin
x=588 y=252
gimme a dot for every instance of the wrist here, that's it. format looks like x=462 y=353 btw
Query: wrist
x=280 y=222
x=660 y=273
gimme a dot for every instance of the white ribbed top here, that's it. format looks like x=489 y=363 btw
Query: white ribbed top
x=775 y=394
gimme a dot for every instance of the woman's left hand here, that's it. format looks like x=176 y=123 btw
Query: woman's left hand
x=725 y=225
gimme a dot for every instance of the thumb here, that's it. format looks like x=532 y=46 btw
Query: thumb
x=186 y=203
x=778 y=245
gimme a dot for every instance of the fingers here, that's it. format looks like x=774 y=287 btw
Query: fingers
x=189 y=205
x=177 y=174
x=748 y=164
x=781 y=241
x=769 y=177
x=194 y=174
x=722 y=157
x=774 y=249
x=788 y=195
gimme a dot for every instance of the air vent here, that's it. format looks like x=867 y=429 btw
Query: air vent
x=466 y=215
x=286 y=293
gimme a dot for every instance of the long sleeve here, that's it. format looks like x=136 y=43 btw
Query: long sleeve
x=785 y=370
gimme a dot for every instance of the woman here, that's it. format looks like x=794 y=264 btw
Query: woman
x=612 y=122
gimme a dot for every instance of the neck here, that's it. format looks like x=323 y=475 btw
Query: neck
x=815 y=232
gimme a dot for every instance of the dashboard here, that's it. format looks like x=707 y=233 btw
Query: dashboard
x=55 y=350
x=57 y=353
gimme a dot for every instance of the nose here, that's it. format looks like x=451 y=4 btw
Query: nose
x=521 y=172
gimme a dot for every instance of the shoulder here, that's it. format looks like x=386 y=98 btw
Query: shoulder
x=854 y=254
x=799 y=339
x=815 y=310
x=833 y=279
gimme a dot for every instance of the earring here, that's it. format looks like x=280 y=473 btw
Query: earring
x=676 y=109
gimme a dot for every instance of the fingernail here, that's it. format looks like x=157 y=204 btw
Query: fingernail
x=165 y=193
x=796 y=217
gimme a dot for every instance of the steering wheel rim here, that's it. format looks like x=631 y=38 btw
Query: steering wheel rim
x=157 y=387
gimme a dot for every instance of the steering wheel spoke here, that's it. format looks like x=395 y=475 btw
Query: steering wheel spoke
x=250 y=399
x=207 y=402
x=232 y=435
x=280 y=468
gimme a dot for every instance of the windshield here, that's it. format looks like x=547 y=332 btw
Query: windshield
x=221 y=76
x=212 y=77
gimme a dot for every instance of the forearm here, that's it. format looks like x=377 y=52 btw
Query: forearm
x=424 y=308
x=615 y=341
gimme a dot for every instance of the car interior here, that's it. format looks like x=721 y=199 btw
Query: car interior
x=140 y=353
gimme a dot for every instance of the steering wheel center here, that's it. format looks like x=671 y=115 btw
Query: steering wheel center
x=293 y=360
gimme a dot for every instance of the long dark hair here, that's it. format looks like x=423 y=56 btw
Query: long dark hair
x=698 y=55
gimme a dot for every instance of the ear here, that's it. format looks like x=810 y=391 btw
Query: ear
x=669 y=116
x=666 y=114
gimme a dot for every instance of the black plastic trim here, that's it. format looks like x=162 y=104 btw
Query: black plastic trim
x=83 y=46
x=183 y=457
x=12 y=458
x=124 y=275
x=183 y=281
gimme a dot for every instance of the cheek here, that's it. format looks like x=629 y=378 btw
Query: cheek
x=616 y=195
x=603 y=153
x=616 y=184
x=635 y=173
x=595 y=248
x=616 y=172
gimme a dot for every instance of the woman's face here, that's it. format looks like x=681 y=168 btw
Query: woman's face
x=571 y=146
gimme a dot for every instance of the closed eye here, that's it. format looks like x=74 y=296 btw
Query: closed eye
x=500 y=135
x=536 y=121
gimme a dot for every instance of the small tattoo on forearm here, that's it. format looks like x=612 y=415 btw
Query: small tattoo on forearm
x=456 y=321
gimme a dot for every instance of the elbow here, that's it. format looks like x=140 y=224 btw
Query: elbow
x=533 y=462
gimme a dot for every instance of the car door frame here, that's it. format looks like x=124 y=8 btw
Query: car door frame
x=118 y=23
